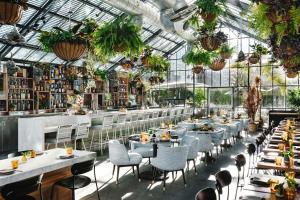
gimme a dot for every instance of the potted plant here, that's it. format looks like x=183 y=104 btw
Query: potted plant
x=294 y=99
x=211 y=9
x=11 y=11
x=101 y=74
x=127 y=64
x=11 y=67
x=258 y=51
x=252 y=103
x=211 y=41
x=121 y=36
x=158 y=63
x=279 y=190
x=218 y=64
x=226 y=51
x=147 y=52
x=71 y=44
x=291 y=74
x=291 y=189
x=198 y=58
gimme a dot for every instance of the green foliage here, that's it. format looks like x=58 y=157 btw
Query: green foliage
x=220 y=97
x=198 y=57
x=199 y=97
x=101 y=73
x=281 y=29
x=259 y=20
x=291 y=183
x=75 y=34
x=294 y=99
x=158 y=63
x=279 y=188
x=121 y=36
x=259 y=50
x=216 y=7
x=295 y=16
x=225 y=48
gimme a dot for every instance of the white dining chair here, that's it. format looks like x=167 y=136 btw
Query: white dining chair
x=63 y=136
x=81 y=133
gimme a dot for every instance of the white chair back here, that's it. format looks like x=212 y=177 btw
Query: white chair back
x=175 y=156
x=108 y=120
x=192 y=143
x=204 y=141
x=82 y=131
x=64 y=133
x=118 y=154
x=164 y=113
x=121 y=119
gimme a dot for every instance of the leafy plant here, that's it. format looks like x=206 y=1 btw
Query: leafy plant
x=158 y=63
x=295 y=16
x=279 y=188
x=226 y=49
x=101 y=73
x=198 y=57
x=216 y=7
x=294 y=99
x=121 y=36
x=259 y=50
x=281 y=29
x=49 y=39
x=259 y=20
x=199 y=97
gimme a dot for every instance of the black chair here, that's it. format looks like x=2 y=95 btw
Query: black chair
x=21 y=189
x=240 y=162
x=78 y=180
x=251 y=151
x=223 y=179
x=206 y=194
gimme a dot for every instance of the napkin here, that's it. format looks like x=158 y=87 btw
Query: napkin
x=259 y=181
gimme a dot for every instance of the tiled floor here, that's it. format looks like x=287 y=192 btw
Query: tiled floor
x=129 y=188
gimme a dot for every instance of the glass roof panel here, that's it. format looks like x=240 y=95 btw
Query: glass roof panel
x=37 y=3
x=27 y=15
x=22 y=53
x=36 y=55
x=48 y=58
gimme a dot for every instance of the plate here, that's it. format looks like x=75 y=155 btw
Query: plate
x=66 y=156
x=7 y=171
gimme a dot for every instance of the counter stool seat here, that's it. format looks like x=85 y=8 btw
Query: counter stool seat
x=80 y=182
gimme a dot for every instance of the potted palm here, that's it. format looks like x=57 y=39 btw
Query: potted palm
x=11 y=11
x=211 y=9
x=198 y=58
x=121 y=36
x=71 y=44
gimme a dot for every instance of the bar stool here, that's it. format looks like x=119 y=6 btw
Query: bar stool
x=134 y=123
x=20 y=190
x=240 y=162
x=251 y=151
x=63 y=135
x=163 y=117
x=77 y=180
x=107 y=125
x=81 y=133
x=121 y=125
x=154 y=118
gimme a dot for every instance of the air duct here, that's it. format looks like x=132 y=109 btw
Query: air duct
x=152 y=15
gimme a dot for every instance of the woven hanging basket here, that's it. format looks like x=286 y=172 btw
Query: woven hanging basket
x=210 y=43
x=120 y=48
x=208 y=17
x=69 y=50
x=225 y=55
x=10 y=13
x=145 y=61
x=197 y=69
x=291 y=74
x=218 y=65
x=253 y=59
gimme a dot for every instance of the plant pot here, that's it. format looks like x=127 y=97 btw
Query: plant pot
x=208 y=17
x=218 y=65
x=69 y=50
x=120 y=48
x=225 y=55
x=127 y=64
x=145 y=61
x=210 y=43
x=291 y=74
x=290 y=193
x=252 y=127
x=197 y=69
x=253 y=59
x=10 y=13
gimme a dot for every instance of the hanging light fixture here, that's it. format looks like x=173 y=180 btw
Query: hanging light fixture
x=241 y=56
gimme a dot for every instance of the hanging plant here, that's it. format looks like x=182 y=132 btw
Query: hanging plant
x=211 y=9
x=11 y=11
x=225 y=51
x=158 y=63
x=147 y=52
x=11 y=67
x=211 y=41
x=121 y=36
x=197 y=69
x=68 y=45
x=258 y=51
x=127 y=64
x=101 y=74
x=217 y=64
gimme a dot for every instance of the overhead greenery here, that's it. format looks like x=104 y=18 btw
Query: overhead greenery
x=216 y=7
x=103 y=74
x=80 y=33
x=121 y=36
x=294 y=99
x=225 y=48
x=259 y=50
x=158 y=63
x=199 y=57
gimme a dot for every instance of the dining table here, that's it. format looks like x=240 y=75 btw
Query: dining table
x=53 y=164
x=256 y=187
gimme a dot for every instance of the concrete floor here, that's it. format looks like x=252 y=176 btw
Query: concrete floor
x=129 y=188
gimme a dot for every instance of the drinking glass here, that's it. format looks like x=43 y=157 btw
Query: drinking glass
x=15 y=164
x=278 y=160
x=69 y=151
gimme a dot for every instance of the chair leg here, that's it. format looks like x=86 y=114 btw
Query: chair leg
x=96 y=183
x=133 y=170
x=75 y=144
x=118 y=169
x=138 y=172
x=165 y=176
x=194 y=161
x=228 y=193
x=83 y=144
x=113 y=170
x=183 y=176
x=92 y=139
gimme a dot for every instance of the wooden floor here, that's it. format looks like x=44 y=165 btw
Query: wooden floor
x=129 y=188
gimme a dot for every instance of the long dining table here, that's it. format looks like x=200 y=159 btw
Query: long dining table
x=50 y=165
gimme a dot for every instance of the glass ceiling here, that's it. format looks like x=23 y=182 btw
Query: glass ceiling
x=45 y=14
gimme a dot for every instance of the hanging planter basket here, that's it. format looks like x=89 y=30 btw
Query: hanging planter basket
x=225 y=55
x=145 y=61
x=119 y=48
x=287 y=64
x=127 y=64
x=10 y=13
x=69 y=50
x=208 y=17
x=253 y=59
x=210 y=43
x=291 y=74
x=197 y=69
x=218 y=65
